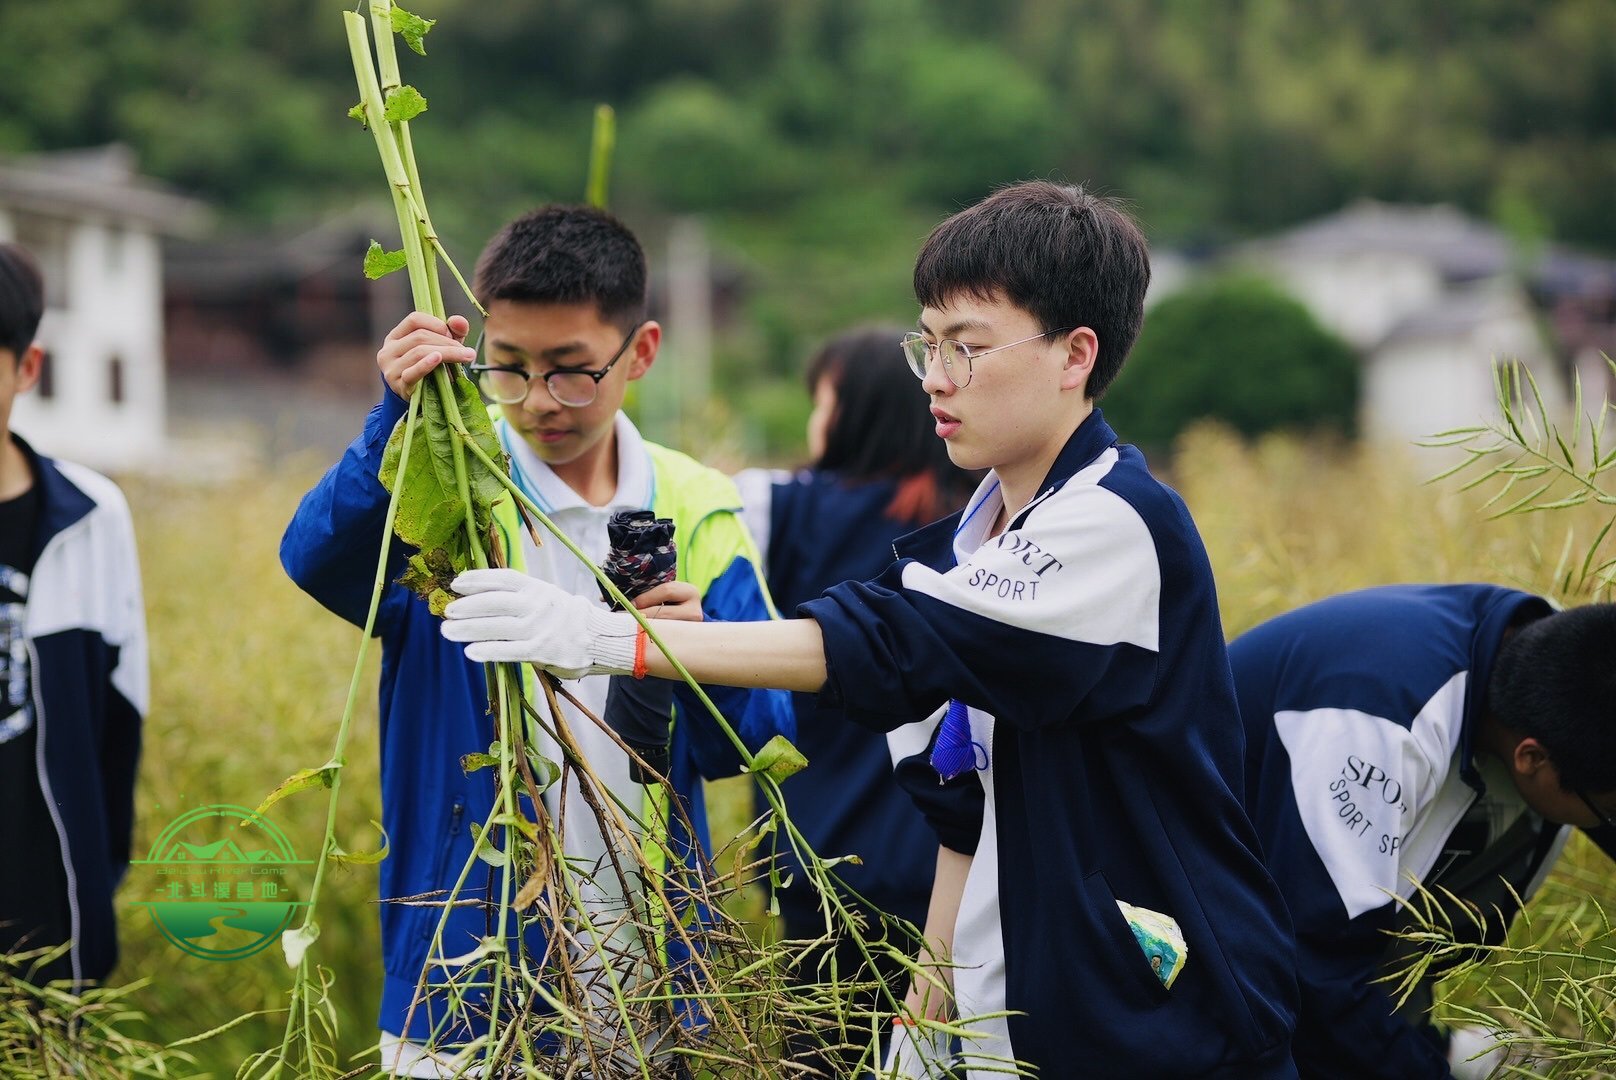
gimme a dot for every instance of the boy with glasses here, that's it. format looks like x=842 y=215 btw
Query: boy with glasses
x=567 y=331
x=1063 y=632
x=1442 y=736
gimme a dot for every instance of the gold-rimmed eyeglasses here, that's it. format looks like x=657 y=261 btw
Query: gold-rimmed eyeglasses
x=957 y=356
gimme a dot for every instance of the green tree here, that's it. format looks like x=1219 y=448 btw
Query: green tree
x=1233 y=349
x=692 y=147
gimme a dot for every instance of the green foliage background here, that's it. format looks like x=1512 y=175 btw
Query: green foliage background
x=1236 y=350
x=822 y=138
x=1215 y=114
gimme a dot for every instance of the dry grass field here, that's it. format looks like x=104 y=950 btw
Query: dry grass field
x=249 y=678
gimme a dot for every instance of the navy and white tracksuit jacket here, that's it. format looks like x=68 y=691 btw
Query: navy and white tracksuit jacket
x=1361 y=713
x=1086 y=642
x=84 y=628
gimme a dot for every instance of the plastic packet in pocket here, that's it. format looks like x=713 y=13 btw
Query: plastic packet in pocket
x=1160 y=938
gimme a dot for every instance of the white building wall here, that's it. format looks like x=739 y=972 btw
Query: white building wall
x=113 y=310
x=1414 y=390
x=1359 y=296
x=1417 y=387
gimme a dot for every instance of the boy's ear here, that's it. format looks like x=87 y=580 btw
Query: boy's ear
x=29 y=366
x=1082 y=350
x=1529 y=757
x=646 y=344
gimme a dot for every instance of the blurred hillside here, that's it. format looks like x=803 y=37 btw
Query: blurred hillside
x=1215 y=115
x=823 y=137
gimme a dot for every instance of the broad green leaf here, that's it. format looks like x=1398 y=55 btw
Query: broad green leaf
x=430 y=515
x=380 y=262
x=778 y=759
x=302 y=780
x=404 y=103
x=519 y=822
x=294 y=943
x=486 y=851
x=412 y=28
x=545 y=771
x=364 y=858
x=470 y=763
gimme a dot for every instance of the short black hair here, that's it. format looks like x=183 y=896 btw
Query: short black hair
x=1069 y=257
x=566 y=255
x=22 y=299
x=1555 y=681
x=882 y=428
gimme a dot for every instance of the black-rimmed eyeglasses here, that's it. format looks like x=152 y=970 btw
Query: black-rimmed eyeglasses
x=573 y=387
x=1605 y=820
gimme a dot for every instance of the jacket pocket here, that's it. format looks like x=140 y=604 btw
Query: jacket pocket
x=1128 y=959
x=432 y=914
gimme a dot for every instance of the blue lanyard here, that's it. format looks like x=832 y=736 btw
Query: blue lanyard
x=518 y=473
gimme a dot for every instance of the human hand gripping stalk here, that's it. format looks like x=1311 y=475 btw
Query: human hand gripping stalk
x=506 y=616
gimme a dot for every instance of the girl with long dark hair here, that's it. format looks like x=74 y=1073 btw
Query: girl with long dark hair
x=877 y=471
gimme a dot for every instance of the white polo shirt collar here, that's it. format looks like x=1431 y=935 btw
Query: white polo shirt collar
x=636 y=484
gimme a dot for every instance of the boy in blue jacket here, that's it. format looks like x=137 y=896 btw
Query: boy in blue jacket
x=567 y=331
x=1066 y=626
x=1435 y=735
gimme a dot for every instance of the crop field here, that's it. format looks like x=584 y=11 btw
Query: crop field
x=249 y=678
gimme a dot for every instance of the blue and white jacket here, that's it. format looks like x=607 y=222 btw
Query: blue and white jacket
x=1085 y=641
x=434 y=705
x=1361 y=713
x=85 y=628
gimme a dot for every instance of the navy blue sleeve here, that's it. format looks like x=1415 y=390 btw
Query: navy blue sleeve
x=953 y=808
x=736 y=595
x=329 y=549
x=1054 y=621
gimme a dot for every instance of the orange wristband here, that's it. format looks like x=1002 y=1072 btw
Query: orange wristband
x=640 y=670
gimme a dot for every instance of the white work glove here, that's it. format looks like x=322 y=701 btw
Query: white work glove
x=1475 y=1053
x=509 y=617
x=916 y=1053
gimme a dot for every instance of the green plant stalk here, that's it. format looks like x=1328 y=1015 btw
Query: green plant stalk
x=419 y=237
x=610 y=968
x=392 y=142
x=370 y=94
x=829 y=887
x=574 y=755
x=507 y=784
x=602 y=141
x=300 y=980
x=390 y=79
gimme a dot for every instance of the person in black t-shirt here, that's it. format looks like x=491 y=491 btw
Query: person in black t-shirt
x=72 y=679
x=33 y=889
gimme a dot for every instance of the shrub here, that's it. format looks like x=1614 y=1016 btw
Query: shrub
x=1235 y=350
